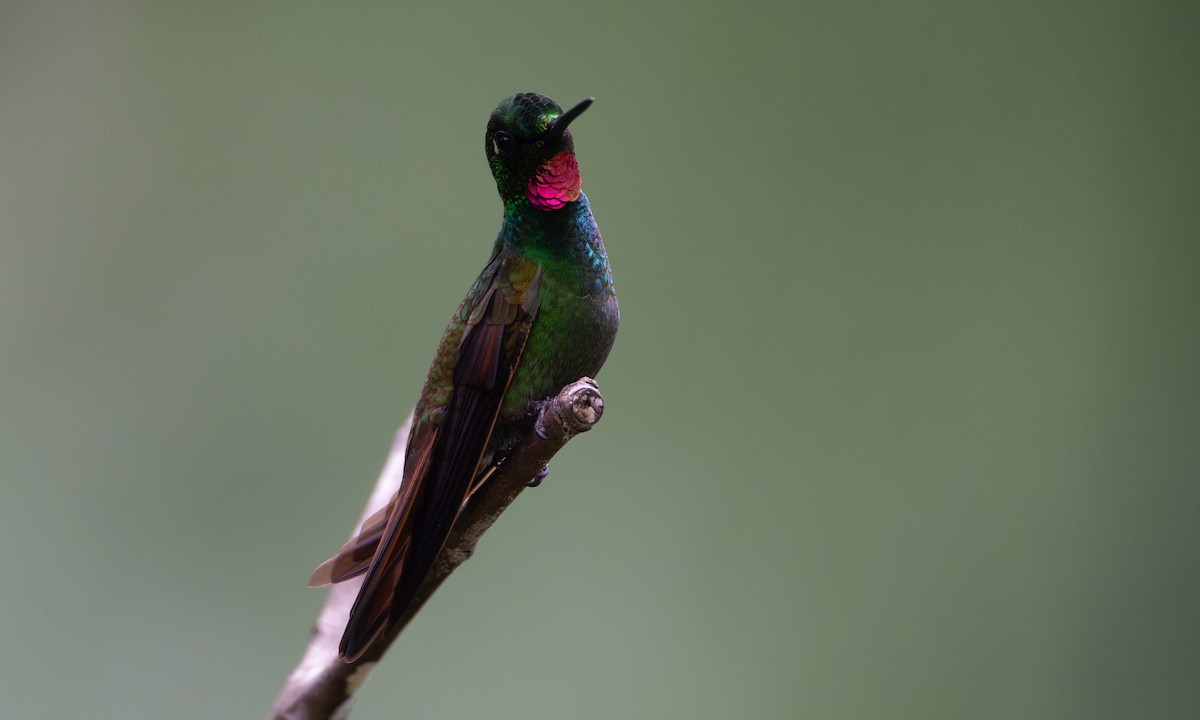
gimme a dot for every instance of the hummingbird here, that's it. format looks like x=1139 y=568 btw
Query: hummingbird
x=541 y=314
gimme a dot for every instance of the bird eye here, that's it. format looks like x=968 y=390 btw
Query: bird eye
x=502 y=143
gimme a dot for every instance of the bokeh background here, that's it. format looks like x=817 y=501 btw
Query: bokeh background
x=903 y=420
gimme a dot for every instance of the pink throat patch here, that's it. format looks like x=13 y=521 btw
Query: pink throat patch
x=556 y=183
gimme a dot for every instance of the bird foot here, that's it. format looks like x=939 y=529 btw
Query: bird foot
x=537 y=479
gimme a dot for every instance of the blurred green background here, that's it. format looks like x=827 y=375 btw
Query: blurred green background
x=903 y=420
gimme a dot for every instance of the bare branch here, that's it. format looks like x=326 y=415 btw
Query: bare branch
x=323 y=686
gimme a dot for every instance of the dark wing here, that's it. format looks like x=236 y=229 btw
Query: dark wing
x=355 y=556
x=441 y=462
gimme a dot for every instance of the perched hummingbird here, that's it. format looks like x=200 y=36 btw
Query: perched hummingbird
x=541 y=315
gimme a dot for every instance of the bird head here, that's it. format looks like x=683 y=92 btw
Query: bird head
x=531 y=152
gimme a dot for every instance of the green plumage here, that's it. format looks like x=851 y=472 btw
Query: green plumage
x=541 y=315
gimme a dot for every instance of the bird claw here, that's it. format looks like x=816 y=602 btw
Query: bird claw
x=537 y=479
